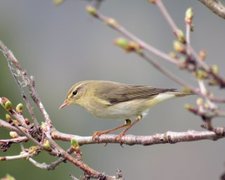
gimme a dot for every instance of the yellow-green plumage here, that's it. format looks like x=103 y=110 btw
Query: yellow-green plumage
x=113 y=100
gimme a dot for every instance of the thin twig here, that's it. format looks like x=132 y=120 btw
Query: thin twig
x=7 y=125
x=23 y=80
x=165 y=13
x=46 y=166
x=191 y=50
x=116 y=26
x=14 y=140
x=27 y=81
x=30 y=110
x=15 y=157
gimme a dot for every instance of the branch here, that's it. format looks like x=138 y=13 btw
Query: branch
x=45 y=135
x=24 y=80
x=26 y=153
x=142 y=45
x=14 y=140
x=164 y=138
x=215 y=6
x=6 y=125
x=44 y=131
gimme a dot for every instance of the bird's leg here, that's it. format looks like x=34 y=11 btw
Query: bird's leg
x=107 y=131
x=118 y=138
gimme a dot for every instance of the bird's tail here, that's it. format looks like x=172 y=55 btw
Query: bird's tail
x=183 y=93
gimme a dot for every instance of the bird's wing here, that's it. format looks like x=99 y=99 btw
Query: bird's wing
x=117 y=93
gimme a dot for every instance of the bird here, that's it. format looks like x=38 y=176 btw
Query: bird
x=115 y=100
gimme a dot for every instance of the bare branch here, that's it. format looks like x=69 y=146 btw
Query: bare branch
x=6 y=125
x=168 y=137
x=23 y=80
x=32 y=151
x=15 y=157
x=215 y=6
x=189 y=49
x=14 y=140
x=118 y=27
x=46 y=166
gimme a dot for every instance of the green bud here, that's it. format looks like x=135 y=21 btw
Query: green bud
x=180 y=36
x=189 y=15
x=199 y=101
x=201 y=74
x=215 y=68
x=13 y=134
x=8 y=118
x=19 y=108
x=187 y=90
x=43 y=126
x=46 y=144
x=74 y=143
x=178 y=46
x=8 y=105
x=128 y=46
x=33 y=150
x=122 y=43
x=91 y=10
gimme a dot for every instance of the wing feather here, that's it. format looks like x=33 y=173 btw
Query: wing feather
x=117 y=92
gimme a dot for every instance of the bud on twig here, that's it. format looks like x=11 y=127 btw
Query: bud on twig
x=202 y=55
x=189 y=15
x=46 y=144
x=13 y=134
x=91 y=10
x=180 y=36
x=6 y=104
x=178 y=46
x=8 y=118
x=201 y=74
x=74 y=144
x=128 y=46
x=19 y=108
x=111 y=22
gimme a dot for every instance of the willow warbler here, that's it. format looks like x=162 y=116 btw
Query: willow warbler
x=114 y=100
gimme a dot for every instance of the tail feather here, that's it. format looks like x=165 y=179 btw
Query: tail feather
x=183 y=93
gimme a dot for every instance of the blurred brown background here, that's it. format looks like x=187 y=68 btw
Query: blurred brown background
x=62 y=45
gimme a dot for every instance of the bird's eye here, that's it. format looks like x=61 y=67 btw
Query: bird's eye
x=74 y=92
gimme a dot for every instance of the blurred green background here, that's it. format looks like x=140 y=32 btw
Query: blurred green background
x=60 y=45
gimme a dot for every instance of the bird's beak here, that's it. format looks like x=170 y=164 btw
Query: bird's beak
x=64 y=104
